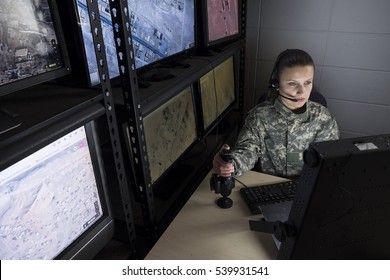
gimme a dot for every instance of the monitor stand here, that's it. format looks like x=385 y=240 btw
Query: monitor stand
x=8 y=120
x=281 y=230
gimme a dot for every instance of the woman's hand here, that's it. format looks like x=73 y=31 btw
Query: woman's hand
x=221 y=167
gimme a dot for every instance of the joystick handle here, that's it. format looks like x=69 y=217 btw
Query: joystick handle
x=226 y=155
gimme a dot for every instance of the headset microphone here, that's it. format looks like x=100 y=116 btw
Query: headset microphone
x=291 y=99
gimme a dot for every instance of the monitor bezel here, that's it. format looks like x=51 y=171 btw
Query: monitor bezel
x=52 y=74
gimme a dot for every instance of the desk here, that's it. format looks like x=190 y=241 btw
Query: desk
x=203 y=231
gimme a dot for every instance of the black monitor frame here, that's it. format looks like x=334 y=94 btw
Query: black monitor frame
x=88 y=244
x=72 y=32
x=341 y=208
x=65 y=69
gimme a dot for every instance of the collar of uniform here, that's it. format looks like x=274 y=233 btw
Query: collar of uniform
x=290 y=115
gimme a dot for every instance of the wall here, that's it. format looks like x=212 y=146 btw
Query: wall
x=349 y=41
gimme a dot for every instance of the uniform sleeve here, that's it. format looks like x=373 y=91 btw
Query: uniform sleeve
x=329 y=128
x=247 y=149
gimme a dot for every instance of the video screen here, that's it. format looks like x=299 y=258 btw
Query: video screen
x=222 y=19
x=169 y=131
x=209 y=98
x=29 y=45
x=217 y=89
x=48 y=199
x=159 y=29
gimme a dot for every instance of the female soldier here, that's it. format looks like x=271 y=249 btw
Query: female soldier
x=277 y=131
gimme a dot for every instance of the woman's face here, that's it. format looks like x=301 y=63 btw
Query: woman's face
x=296 y=82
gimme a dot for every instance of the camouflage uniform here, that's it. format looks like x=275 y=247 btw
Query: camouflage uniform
x=276 y=137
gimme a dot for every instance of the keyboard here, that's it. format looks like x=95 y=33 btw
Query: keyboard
x=256 y=196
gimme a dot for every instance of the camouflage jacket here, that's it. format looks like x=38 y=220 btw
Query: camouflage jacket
x=274 y=137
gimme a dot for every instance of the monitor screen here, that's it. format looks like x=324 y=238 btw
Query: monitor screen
x=217 y=91
x=160 y=29
x=169 y=131
x=32 y=48
x=341 y=207
x=50 y=198
x=223 y=21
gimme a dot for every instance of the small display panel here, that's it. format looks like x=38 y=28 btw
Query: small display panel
x=365 y=146
x=222 y=19
x=169 y=131
x=160 y=29
x=48 y=199
x=217 y=89
x=29 y=44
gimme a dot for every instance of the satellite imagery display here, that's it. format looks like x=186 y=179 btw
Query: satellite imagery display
x=224 y=84
x=28 y=42
x=169 y=131
x=160 y=28
x=48 y=199
x=209 y=99
x=222 y=18
x=217 y=91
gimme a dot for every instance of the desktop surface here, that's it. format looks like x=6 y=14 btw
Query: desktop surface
x=202 y=230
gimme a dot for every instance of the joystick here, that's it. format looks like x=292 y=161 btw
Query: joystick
x=223 y=185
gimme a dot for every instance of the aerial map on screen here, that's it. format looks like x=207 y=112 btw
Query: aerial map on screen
x=209 y=99
x=224 y=84
x=28 y=42
x=48 y=199
x=223 y=19
x=169 y=131
x=160 y=28
x=217 y=91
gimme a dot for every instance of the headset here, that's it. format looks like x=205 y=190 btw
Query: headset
x=273 y=82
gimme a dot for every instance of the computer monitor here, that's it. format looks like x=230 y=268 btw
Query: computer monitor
x=160 y=30
x=220 y=22
x=342 y=205
x=32 y=46
x=170 y=130
x=217 y=92
x=53 y=203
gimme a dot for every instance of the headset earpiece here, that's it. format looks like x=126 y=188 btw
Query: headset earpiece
x=274 y=84
x=274 y=81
